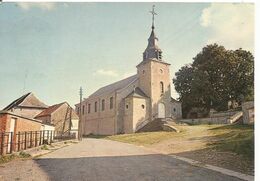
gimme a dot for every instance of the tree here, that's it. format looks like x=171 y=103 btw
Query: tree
x=215 y=77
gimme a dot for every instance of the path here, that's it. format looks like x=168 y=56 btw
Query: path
x=98 y=160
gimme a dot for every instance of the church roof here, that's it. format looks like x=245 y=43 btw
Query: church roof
x=27 y=100
x=137 y=92
x=114 y=86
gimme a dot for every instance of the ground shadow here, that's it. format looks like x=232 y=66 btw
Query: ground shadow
x=222 y=159
x=126 y=168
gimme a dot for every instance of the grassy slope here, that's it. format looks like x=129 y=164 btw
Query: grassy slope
x=146 y=138
x=233 y=138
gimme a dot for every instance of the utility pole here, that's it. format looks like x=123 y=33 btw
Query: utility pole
x=80 y=115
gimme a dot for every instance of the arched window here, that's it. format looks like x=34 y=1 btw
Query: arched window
x=111 y=102
x=96 y=106
x=103 y=105
x=161 y=87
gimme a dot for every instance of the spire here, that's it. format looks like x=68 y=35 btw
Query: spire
x=152 y=51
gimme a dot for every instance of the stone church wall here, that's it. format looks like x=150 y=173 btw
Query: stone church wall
x=120 y=102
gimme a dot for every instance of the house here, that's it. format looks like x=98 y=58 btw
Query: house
x=62 y=116
x=176 y=109
x=20 y=130
x=127 y=105
x=27 y=105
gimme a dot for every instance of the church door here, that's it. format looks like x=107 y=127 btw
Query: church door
x=161 y=110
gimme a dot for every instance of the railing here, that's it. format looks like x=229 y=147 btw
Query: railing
x=13 y=142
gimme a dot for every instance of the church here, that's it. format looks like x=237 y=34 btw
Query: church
x=129 y=104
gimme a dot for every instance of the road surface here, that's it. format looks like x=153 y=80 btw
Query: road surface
x=104 y=160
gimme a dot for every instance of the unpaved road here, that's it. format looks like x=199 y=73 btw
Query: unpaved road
x=104 y=160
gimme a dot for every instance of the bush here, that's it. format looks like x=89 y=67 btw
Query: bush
x=24 y=155
x=44 y=147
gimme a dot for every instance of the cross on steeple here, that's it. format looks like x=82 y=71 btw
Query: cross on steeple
x=153 y=13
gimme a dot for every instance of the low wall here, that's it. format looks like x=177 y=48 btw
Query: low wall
x=220 y=120
x=223 y=114
x=216 y=118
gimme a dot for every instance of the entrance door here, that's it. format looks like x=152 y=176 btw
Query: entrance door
x=12 y=124
x=161 y=110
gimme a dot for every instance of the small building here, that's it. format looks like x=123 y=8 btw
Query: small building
x=62 y=116
x=27 y=105
x=176 y=109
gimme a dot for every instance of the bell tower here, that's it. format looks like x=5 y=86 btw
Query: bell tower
x=154 y=77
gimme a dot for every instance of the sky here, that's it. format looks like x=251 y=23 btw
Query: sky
x=51 y=49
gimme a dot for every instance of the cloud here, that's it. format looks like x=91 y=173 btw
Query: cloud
x=110 y=73
x=44 y=6
x=230 y=24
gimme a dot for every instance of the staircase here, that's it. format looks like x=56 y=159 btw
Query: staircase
x=158 y=124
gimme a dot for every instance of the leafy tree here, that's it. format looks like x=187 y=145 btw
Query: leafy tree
x=215 y=77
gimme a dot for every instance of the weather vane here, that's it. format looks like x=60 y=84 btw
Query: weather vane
x=153 y=13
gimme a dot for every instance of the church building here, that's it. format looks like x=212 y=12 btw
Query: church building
x=129 y=104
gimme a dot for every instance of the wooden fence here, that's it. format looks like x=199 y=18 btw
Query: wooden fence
x=13 y=142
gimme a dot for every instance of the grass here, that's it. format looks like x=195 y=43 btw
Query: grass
x=8 y=158
x=44 y=147
x=238 y=139
x=146 y=138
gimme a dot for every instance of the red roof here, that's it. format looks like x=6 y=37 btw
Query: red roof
x=50 y=110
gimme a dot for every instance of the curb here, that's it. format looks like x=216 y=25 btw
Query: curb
x=215 y=168
x=207 y=166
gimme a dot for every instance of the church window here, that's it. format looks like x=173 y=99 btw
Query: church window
x=111 y=102
x=161 y=87
x=143 y=106
x=89 y=106
x=83 y=107
x=95 y=106
x=103 y=105
x=126 y=106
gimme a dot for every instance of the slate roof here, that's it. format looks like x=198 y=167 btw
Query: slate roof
x=114 y=86
x=137 y=92
x=50 y=110
x=27 y=100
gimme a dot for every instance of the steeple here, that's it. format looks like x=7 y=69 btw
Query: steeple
x=152 y=51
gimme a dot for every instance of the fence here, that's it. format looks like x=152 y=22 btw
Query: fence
x=12 y=142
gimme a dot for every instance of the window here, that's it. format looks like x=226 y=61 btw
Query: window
x=161 y=87
x=174 y=109
x=83 y=107
x=78 y=110
x=143 y=106
x=126 y=106
x=95 y=106
x=103 y=105
x=143 y=71
x=89 y=108
x=160 y=55
x=111 y=102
